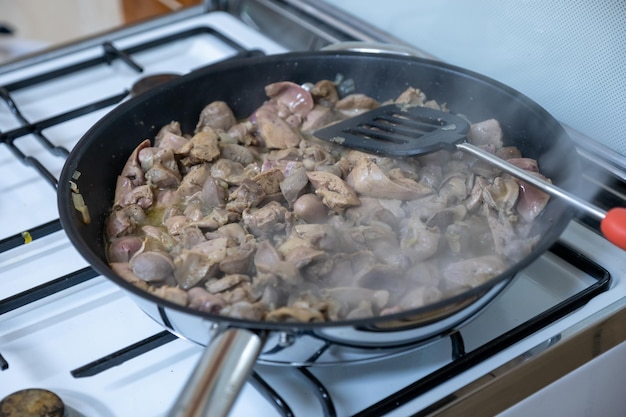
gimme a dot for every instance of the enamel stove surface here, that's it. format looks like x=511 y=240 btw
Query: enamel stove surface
x=68 y=330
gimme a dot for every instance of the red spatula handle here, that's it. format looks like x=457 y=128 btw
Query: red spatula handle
x=614 y=226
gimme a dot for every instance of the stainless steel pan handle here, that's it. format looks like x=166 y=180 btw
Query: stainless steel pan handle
x=377 y=47
x=219 y=375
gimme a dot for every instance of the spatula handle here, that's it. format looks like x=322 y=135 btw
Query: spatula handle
x=613 y=226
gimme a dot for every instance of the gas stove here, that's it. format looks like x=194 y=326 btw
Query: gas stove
x=65 y=329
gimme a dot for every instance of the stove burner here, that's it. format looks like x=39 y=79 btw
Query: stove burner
x=149 y=82
x=33 y=403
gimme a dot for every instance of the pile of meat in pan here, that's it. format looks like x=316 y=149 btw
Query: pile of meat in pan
x=257 y=219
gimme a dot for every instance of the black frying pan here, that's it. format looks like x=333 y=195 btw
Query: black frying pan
x=101 y=153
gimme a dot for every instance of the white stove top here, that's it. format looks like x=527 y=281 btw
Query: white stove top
x=42 y=342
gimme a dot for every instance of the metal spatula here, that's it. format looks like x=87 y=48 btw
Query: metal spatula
x=407 y=130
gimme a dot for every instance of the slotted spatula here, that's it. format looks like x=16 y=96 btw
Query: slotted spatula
x=406 y=130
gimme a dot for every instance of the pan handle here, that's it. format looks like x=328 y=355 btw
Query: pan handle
x=219 y=375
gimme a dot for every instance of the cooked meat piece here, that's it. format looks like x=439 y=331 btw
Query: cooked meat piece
x=301 y=313
x=242 y=292
x=269 y=180
x=334 y=192
x=475 y=197
x=266 y=220
x=527 y=164
x=418 y=242
x=502 y=195
x=124 y=221
x=141 y=196
x=369 y=180
x=372 y=210
x=195 y=210
x=216 y=116
x=355 y=104
x=175 y=224
x=152 y=266
x=482 y=168
x=303 y=256
x=531 y=201
x=309 y=207
x=132 y=170
x=427 y=273
x=453 y=188
x=131 y=178
x=123 y=270
x=447 y=216
x=237 y=153
x=202 y=147
x=123 y=248
x=432 y=104
x=191 y=268
x=293 y=185
x=213 y=193
x=412 y=96
x=382 y=277
x=191 y=236
x=228 y=171
x=325 y=93
x=348 y=299
x=193 y=181
x=170 y=137
x=235 y=233
x=238 y=259
x=473 y=272
x=242 y=133
x=274 y=132
x=173 y=294
x=248 y=194
x=153 y=156
x=296 y=99
x=268 y=260
x=509 y=235
x=508 y=152
x=226 y=283
x=158 y=238
x=199 y=262
x=319 y=117
x=471 y=238
x=160 y=167
x=382 y=241
x=431 y=175
x=202 y=300
x=321 y=236
x=487 y=132
x=420 y=297
x=245 y=310
x=298 y=251
x=362 y=311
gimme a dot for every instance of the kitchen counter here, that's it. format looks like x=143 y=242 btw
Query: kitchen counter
x=595 y=389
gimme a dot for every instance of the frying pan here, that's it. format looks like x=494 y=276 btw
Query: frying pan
x=235 y=345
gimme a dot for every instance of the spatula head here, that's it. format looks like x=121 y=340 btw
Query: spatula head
x=398 y=130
